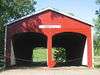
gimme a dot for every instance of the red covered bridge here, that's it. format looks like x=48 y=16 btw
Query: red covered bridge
x=49 y=28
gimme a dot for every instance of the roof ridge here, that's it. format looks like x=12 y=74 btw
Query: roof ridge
x=44 y=9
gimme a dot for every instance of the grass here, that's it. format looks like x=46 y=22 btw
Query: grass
x=97 y=66
x=97 y=61
x=39 y=54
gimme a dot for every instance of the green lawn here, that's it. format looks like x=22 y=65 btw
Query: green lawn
x=97 y=61
x=39 y=54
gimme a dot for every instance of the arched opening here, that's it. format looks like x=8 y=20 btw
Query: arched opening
x=24 y=45
x=73 y=45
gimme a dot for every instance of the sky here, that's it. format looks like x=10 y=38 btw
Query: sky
x=83 y=9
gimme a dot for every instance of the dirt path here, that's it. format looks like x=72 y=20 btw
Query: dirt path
x=52 y=71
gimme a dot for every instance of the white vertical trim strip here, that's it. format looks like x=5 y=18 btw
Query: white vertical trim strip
x=92 y=46
x=5 y=41
x=84 y=59
x=12 y=56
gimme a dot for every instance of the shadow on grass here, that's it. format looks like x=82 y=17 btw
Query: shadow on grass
x=97 y=66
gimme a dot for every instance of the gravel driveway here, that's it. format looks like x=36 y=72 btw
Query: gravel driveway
x=51 y=71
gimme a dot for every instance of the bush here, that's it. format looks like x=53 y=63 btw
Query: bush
x=59 y=54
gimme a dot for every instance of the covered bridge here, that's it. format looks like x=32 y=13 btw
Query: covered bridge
x=49 y=28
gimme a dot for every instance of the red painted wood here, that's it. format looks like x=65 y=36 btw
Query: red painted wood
x=49 y=46
x=89 y=51
x=31 y=24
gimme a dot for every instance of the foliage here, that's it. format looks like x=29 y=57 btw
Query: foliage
x=40 y=54
x=59 y=54
x=97 y=1
x=97 y=61
x=97 y=37
x=11 y=10
x=97 y=31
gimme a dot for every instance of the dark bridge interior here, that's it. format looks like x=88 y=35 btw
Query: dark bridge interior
x=74 y=44
x=24 y=43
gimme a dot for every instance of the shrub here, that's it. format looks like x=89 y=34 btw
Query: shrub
x=59 y=54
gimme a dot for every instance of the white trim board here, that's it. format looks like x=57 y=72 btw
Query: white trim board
x=84 y=59
x=49 y=26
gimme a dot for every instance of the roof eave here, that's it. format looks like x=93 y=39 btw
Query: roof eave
x=52 y=9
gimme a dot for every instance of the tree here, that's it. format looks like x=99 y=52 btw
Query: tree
x=97 y=1
x=97 y=31
x=11 y=10
x=97 y=38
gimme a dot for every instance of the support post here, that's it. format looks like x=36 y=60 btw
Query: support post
x=89 y=41
x=49 y=46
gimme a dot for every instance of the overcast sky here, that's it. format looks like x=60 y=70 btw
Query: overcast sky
x=84 y=9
